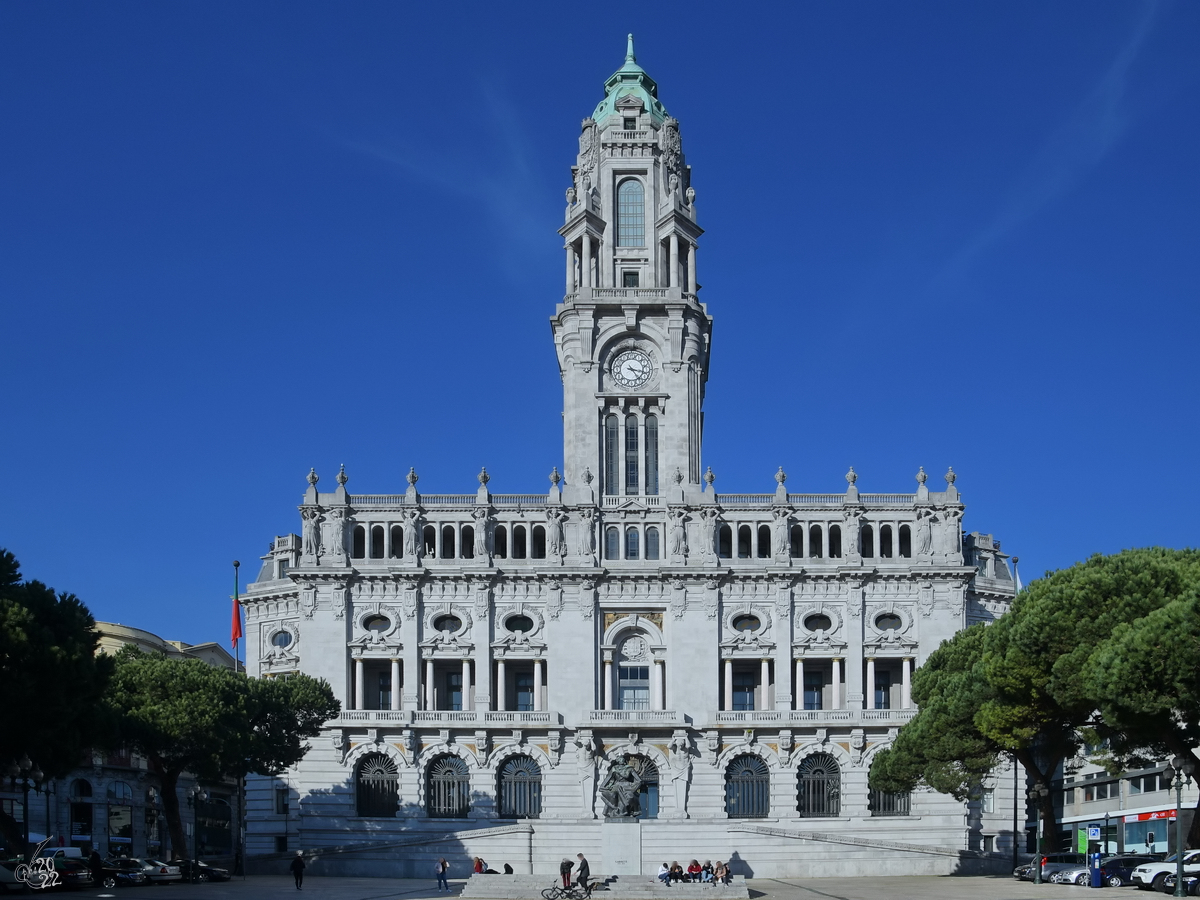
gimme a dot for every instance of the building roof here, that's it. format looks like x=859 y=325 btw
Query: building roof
x=114 y=636
x=630 y=80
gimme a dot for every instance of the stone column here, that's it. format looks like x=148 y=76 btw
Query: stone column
x=906 y=690
x=587 y=261
x=395 y=683
x=692 y=269
x=656 y=685
x=359 y=687
x=501 y=685
x=429 y=684
x=537 y=685
x=869 y=687
x=466 y=684
x=800 y=683
x=608 y=684
x=570 y=269
x=837 y=683
x=674 y=260
x=765 y=680
x=728 y=683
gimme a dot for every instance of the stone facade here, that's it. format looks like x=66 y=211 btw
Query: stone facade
x=497 y=654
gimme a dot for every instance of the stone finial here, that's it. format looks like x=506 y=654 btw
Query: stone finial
x=921 y=476
x=483 y=476
x=313 y=478
x=411 y=477
x=342 y=477
x=950 y=476
x=852 y=476
x=588 y=477
x=555 y=478
x=709 y=477
x=678 y=476
x=780 y=476
x=629 y=56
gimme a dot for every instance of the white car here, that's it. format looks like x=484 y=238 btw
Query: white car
x=1151 y=875
x=157 y=870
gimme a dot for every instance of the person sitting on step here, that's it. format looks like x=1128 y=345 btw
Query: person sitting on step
x=664 y=874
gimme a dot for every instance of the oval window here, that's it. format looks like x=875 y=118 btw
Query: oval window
x=522 y=624
x=819 y=622
x=888 y=622
x=746 y=623
x=377 y=624
x=447 y=623
x=281 y=639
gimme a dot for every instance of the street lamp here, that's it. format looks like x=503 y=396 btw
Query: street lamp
x=27 y=775
x=1036 y=794
x=1179 y=773
x=195 y=797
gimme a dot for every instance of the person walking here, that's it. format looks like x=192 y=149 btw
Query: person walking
x=583 y=873
x=96 y=865
x=564 y=870
x=441 y=869
x=297 y=868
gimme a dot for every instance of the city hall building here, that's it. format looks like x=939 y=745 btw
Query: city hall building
x=744 y=654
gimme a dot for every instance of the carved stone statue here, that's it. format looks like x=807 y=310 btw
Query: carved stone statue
x=783 y=540
x=708 y=532
x=620 y=791
x=483 y=523
x=333 y=538
x=586 y=538
x=679 y=546
x=555 y=541
x=311 y=528
x=585 y=765
x=924 y=532
x=409 y=526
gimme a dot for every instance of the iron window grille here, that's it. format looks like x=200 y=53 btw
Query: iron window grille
x=747 y=789
x=520 y=789
x=377 y=786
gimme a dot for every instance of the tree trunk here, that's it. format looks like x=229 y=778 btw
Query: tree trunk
x=1045 y=804
x=169 y=780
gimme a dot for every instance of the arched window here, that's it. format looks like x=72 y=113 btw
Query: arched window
x=868 y=541
x=631 y=455
x=612 y=447
x=358 y=548
x=725 y=542
x=397 y=541
x=652 y=543
x=429 y=540
x=447 y=542
x=815 y=542
x=743 y=542
x=612 y=543
x=80 y=789
x=648 y=792
x=631 y=214
x=377 y=784
x=468 y=542
x=448 y=790
x=764 y=541
x=376 y=542
x=747 y=788
x=885 y=541
x=520 y=788
x=820 y=791
x=632 y=550
x=501 y=539
x=518 y=542
x=538 y=550
x=835 y=542
x=119 y=790
x=797 y=541
x=906 y=542
x=652 y=455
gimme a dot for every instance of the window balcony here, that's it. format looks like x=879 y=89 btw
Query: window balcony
x=768 y=718
x=602 y=717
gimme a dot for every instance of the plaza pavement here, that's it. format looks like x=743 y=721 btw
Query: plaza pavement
x=949 y=887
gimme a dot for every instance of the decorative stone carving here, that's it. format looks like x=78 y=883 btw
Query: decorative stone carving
x=554 y=598
x=585 y=536
x=587 y=598
x=338 y=602
x=680 y=760
x=708 y=531
x=585 y=768
x=678 y=598
x=781 y=534
x=858 y=745
x=672 y=148
x=333 y=536
x=310 y=517
x=308 y=601
x=483 y=535
x=924 y=548
x=620 y=790
x=556 y=542
x=408 y=599
x=678 y=546
x=712 y=597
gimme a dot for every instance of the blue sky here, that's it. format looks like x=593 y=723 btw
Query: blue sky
x=243 y=239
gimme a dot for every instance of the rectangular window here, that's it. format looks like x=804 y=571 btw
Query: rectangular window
x=652 y=455
x=630 y=123
x=612 y=431
x=281 y=843
x=629 y=279
x=385 y=690
x=281 y=801
x=631 y=455
x=744 y=684
x=454 y=691
x=883 y=690
x=523 y=683
x=634 y=682
x=814 y=687
x=988 y=801
x=989 y=843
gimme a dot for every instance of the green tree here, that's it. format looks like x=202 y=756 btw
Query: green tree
x=185 y=715
x=53 y=680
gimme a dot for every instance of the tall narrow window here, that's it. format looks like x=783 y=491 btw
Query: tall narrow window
x=397 y=541
x=612 y=447
x=820 y=787
x=523 y=685
x=468 y=542
x=815 y=542
x=449 y=787
x=652 y=455
x=501 y=538
x=747 y=788
x=376 y=542
x=384 y=700
x=538 y=550
x=648 y=793
x=447 y=542
x=883 y=689
x=835 y=542
x=814 y=688
x=725 y=542
x=885 y=541
x=868 y=541
x=631 y=214
x=429 y=540
x=631 y=455
x=634 y=687
x=744 y=683
x=652 y=543
x=797 y=541
x=454 y=690
x=632 y=550
x=358 y=549
x=518 y=550
x=520 y=789
x=764 y=541
x=377 y=786
x=612 y=543
x=905 y=542
x=743 y=542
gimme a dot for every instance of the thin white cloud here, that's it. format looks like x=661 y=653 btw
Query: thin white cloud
x=1074 y=149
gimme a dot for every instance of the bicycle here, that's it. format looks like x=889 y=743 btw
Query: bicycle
x=574 y=892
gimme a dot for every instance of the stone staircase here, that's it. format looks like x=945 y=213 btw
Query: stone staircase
x=612 y=887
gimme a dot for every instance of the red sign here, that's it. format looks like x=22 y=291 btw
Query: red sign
x=1168 y=814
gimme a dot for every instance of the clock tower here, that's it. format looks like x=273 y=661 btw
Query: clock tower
x=631 y=334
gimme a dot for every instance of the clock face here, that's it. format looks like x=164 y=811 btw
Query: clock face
x=631 y=369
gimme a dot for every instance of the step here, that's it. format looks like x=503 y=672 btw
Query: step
x=615 y=887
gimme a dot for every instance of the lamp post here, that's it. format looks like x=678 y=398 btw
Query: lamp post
x=1179 y=773
x=27 y=775
x=195 y=797
x=1036 y=794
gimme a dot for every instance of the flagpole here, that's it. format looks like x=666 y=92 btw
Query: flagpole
x=237 y=665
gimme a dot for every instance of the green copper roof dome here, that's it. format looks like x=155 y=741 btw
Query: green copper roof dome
x=630 y=79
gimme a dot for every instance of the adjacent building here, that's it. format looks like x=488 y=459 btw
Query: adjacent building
x=501 y=658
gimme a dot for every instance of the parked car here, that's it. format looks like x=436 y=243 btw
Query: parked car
x=122 y=872
x=1151 y=875
x=1191 y=885
x=157 y=870
x=73 y=873
x=204 y=872
x=1051 y=863
x=1073 y=875
x=8 y=877
x=1117 y=871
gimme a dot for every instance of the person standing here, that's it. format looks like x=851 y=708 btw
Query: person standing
x=441 y=869
x=96 y=864
x=297 y=868
x=564 y=870
x=583 y=873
